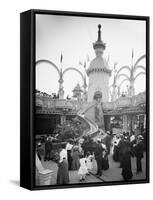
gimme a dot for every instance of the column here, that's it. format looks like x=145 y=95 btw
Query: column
x=125 y=123
x=63 y=119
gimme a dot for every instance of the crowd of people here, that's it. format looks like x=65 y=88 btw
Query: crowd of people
x=44 y=94
x=79 y=155
x=125 y=146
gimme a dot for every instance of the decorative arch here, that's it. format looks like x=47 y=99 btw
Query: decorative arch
x=124 y=67
x=126 y=79
x=48 y=62
x=138 y=60
x=141 y=73
x=140 y=67
x=123 y=75
x=74 y=69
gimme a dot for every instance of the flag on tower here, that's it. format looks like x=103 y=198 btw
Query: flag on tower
x=85 y=65
x=132 y=53
x=115 y=63
x=80 y=63
x=61 y=59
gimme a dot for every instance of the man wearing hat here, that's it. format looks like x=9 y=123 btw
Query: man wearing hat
x=108 y=140
x=98 y=156
x=48 y=148
x=138 y=151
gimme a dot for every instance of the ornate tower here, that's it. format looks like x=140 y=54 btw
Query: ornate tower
x=77 y=92
x=98 y=73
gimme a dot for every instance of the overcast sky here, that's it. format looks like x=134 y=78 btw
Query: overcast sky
x=74 y=36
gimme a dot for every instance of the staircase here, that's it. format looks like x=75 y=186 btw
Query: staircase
x=93 y=128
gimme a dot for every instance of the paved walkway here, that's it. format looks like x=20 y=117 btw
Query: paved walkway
x=112 y=174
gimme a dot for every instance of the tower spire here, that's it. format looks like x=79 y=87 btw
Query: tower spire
x=99 y=43
x=99 y=33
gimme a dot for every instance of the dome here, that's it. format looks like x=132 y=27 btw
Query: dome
x=98 y=64
x=77 y=88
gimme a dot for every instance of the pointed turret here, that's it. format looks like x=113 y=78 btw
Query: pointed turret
x=98 y=72
x=99 y=43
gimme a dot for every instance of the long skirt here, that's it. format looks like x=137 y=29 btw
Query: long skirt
x=69 y=159
x=63 y=174
x=75 y=161
x=116 y=154
x=126 y=167
x=105 y=163
x=99 y=166
x=75 y=164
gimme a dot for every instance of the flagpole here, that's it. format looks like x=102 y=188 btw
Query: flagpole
x=132 y=57
x=61 y=61
x=61 y=91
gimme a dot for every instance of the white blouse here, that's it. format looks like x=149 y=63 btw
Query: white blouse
x=69 y=146
x=63 y=155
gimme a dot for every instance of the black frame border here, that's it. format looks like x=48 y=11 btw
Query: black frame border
x=27 y=97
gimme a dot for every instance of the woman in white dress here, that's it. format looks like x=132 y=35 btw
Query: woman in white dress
x=62 y=173
x=89 y=162
x=83 y=168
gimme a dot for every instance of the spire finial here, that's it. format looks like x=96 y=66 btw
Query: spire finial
x=99 y=32
x=99 y=26
x=99 y=43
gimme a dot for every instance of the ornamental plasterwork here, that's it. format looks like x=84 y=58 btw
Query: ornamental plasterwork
x=121 y=105
x=105 y=70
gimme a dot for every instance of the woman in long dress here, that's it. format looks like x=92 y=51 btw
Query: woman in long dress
x=62 y=173
x=69 y=147
x=105 y=161
x=83 y=168
x=126 y=160
x=75 y=158
x=89 y=162
x=116 y=148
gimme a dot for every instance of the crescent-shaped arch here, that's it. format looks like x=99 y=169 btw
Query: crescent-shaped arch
x=123 y=82
x=139 y=67
x=74 y=69
x=124 y=75
x=139 y=59
x=124 y=67
x=141 y=73
x=48 y=62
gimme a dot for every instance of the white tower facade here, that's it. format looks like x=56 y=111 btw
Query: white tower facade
x=98 y=73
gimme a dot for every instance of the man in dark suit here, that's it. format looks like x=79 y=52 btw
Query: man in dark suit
x=48 y=148
x=98 y=156
x=138 y=151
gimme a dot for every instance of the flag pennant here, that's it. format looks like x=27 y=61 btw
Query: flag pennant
x=115 y=63
x=132 y=53
x=61 y=59
x=85 y=65
x=80 y=63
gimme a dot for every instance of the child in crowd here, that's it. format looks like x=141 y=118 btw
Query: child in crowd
x=83 y=168
x=89 y=162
